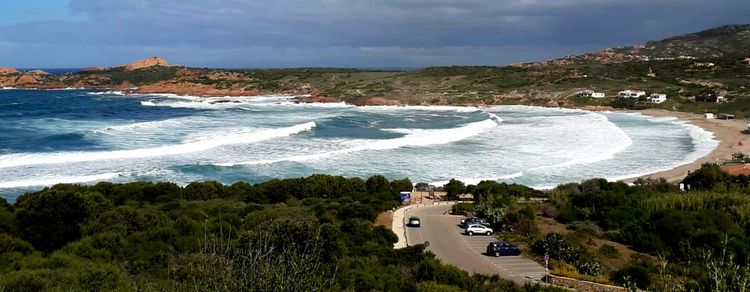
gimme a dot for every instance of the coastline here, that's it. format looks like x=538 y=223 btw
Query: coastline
x=727 y=132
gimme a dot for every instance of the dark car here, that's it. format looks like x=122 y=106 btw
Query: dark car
x=502 y=248
x=414 y=222
x=472 y=220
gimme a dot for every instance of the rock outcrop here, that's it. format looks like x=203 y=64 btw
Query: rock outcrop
x=146 y=63
x=8 y=70
x=38 y=72
x=377 y=101
x=95 y=68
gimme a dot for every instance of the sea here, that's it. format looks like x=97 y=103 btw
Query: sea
x=83 y=136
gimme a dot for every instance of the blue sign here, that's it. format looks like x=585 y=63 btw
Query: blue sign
x=405 y=195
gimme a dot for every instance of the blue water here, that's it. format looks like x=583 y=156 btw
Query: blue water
x=80 y=136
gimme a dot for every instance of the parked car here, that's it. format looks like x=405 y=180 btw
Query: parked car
x=472 y=220
x=478 y=229
x=502 y=248
x=414 y=222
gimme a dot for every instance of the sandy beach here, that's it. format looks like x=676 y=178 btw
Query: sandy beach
x=727 y=132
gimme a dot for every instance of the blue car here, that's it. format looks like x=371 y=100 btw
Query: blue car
x=502 y=248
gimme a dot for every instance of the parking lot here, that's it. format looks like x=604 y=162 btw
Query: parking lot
x=450 y=245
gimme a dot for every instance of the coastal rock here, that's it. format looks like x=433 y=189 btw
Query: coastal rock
x=38 y=72
x=8 y=70
x=314 y=99
x=552 y=103
x=193 y=89
x=377 y=101
x=146 y=63
x=95 y=68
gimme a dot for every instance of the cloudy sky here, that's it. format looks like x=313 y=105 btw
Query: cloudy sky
x=339 y=33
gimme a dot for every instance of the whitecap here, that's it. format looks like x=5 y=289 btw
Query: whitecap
x=196 y=145
x=48 y=181
x=412 y=138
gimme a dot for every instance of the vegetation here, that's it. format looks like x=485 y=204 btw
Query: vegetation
x=300 y=234
x=694 y=240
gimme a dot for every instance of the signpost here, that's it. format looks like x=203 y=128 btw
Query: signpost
x=405 y=198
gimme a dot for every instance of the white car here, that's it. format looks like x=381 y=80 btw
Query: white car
x=478 y=229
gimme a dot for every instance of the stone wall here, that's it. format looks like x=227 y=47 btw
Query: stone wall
x=582 y=285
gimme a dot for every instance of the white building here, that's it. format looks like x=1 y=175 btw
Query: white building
x=631 y=93
x=592 y=94
x=657 y=98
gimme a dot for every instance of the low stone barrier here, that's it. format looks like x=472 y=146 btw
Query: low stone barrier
x=399 y=221
x=582 y=285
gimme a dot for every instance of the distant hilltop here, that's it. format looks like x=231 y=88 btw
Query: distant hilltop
x=723 y=41
x=140 y=64
x=146 y=63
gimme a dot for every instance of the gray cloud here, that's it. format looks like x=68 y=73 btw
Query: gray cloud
x=243 y=33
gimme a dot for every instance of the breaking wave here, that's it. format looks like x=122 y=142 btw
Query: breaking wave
x=195 y=145
x=411 y=138
x=48 y=181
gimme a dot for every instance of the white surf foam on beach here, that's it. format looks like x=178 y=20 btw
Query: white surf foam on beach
x=412 y=138
x=195 y=145
x=48 y=181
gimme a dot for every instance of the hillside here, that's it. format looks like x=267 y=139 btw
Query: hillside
x=723 y=41
x=710 y=63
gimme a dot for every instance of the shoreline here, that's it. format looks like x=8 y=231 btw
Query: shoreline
x=727 y=132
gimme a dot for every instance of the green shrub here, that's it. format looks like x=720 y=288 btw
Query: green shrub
x=609 y=251
x=462 y=208
x=638 y=275
x=585 y=227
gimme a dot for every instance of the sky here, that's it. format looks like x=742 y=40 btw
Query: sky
x=339 y=33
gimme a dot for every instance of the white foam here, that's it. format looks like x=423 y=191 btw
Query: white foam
x=476 y=181
x=48 y=181
x=413 y=138
x=380 y=108
x=8 y=88
x=112 y=92
x=196 y=145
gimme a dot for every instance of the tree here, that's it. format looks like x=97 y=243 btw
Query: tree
x=402 y=185
x=378 y=184
x=51 y=219
x=706 y=177
x=454 y=188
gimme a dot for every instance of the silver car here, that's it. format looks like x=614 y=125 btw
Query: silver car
x=414 y=222
x=478 y=229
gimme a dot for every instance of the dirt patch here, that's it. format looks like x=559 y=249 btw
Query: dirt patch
x=385 y=219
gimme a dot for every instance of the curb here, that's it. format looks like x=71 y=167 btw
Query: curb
x=399 y=221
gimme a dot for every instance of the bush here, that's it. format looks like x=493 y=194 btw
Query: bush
x=557 y=247
x=432 y=286
x=462 y=208
x=563 y=269
x=609 y=251
x=585 y=227
x=638 y=275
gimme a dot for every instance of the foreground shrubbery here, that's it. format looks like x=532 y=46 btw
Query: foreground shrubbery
x=302 y=234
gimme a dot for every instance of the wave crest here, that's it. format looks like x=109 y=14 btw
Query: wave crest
x=193 y=146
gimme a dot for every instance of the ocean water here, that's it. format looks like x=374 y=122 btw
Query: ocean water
x=80 y=136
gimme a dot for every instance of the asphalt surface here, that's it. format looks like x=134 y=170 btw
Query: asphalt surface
x=450 y=245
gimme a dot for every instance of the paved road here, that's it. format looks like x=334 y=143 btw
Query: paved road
x=450 y=245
